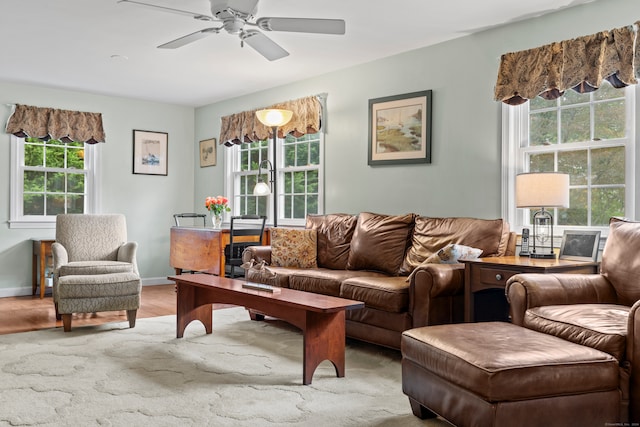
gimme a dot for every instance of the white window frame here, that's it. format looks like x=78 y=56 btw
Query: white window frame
x=17 y=219
x=232 y=185
x=515 y=131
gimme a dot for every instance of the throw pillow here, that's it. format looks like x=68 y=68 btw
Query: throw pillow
x=294 y=247
x=450 y=254
x=334 y=238
x=379 y=242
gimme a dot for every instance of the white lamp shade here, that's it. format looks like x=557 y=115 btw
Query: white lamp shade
x=274 y=117
x=261 y=189
x=542 y=189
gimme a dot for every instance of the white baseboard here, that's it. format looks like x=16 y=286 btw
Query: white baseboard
x=26 y=291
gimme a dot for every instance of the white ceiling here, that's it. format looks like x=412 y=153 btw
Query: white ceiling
x=100 y=46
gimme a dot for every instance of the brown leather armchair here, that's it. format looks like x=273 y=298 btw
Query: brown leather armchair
x=601 y=311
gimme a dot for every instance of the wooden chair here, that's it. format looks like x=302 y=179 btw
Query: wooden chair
x=192 y=215
x=245 y=231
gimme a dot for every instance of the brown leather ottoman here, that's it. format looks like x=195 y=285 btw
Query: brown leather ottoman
x=499 y=374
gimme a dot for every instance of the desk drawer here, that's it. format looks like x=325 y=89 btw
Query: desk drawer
x=493 y=277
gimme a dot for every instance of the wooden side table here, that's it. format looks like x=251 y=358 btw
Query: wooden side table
x=41 y=253
x=492 y=273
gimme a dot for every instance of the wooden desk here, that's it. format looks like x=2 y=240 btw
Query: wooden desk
x=201 y=249
x=41 y=253
x=493 y=272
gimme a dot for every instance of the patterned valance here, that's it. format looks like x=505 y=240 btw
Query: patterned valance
x=63 y=125
x=580 y=64
x=245 y=126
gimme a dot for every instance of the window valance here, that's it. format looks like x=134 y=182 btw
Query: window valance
x=580 y=64
x=245 y=126
x=51 y=123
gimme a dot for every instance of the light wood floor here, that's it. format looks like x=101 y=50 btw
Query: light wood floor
x=30 y=313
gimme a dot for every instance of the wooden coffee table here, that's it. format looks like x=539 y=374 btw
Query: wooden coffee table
x=320 y=317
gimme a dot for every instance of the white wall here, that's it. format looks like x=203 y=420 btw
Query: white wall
x=147 y=201
x=464 y=176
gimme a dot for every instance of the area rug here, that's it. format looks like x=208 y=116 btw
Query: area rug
x=246 y=373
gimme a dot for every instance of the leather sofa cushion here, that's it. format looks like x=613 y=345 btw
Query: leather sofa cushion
x=334 y=238
x=599 y=326
x=379 y=242
x=383 y=293
x=95 y=267
x=386 y=320
x=323 y=280
x=500 y=361
x=620 y=261
x=432 y=234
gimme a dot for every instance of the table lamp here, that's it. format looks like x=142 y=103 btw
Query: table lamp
x=542 y=190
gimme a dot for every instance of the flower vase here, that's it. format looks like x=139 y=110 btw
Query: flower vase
x=216 y=219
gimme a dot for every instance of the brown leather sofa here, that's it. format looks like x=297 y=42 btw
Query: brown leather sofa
x=378 y=259
x=600 y=311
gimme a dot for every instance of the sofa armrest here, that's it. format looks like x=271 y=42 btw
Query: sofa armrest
x=524 y=291
x=257 y=253
x=429 y=283
x=127 y=253
x=633 y=356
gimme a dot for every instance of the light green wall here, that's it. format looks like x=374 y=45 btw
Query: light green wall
x=464 y=176
x=148 y=201
x=463 y=179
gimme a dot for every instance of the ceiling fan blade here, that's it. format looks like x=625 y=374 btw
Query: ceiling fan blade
x=303 y=25
x=189 y=38
x=193 y=15
x=264 y=45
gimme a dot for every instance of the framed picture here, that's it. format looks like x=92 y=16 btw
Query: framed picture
x=400 y=129
x=150 y=152
x=580 y=245
x=208 y=152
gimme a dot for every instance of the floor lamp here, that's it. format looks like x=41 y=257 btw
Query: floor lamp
x=273 y=118
x=542 y=190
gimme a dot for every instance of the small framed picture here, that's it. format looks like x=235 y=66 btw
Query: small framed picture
x=580 y=245
x=400 y=129
x=150 y=152
x=208 y=152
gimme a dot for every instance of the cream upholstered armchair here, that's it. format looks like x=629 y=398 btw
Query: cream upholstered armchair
x=94 y=267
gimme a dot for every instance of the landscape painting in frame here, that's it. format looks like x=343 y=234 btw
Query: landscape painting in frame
x=400 y=129
x=150 y=152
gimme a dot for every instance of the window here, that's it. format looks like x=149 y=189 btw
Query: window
x=589 y=136
x=299 y=166
x=49 y=178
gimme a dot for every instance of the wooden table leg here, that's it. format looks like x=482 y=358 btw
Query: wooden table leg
x=189 y=309
x=324 y=339
x=43 y=269
x=34 y=274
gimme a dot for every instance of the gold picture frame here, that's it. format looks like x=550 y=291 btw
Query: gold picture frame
x=400 y=129
x=208 y=154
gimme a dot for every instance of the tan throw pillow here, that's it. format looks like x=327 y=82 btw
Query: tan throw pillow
x=450 y=254
x=294 y=247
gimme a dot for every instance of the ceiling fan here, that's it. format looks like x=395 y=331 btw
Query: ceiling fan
x=235 y=15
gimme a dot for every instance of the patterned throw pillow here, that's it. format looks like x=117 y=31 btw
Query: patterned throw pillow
x=294 y=247
x=450 y=254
